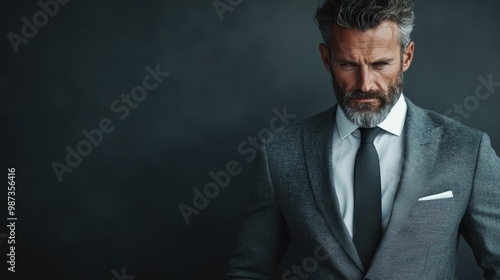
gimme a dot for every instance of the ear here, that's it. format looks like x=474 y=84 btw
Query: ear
x=408 y=56
x=325 y=56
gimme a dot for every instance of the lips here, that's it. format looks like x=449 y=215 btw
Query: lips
x=365 y=100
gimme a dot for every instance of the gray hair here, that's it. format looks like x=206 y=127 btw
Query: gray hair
x=366 y=14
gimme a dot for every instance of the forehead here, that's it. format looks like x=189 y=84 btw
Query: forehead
x=383 y=38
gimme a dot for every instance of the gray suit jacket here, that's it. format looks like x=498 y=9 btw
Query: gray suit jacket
x=293 y=228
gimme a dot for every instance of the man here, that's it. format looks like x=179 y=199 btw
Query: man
x=375 y=187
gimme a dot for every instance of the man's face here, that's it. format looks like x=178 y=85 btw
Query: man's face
x=367 y=70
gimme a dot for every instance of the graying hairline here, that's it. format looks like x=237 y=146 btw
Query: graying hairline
x=404 y=31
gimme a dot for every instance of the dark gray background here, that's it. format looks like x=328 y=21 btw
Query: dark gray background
x=119 y=207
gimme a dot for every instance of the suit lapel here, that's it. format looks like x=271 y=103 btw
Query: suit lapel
x=422 y=139
x=317 y=145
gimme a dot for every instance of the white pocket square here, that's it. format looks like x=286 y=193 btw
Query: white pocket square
x=442 y=195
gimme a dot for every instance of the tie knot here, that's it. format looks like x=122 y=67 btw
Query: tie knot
x=368 y=134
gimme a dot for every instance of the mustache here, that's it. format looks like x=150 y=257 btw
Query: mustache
x=365 y=95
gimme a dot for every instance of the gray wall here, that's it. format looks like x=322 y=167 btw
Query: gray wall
x=119 y=206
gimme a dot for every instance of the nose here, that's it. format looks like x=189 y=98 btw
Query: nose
x=365 y=79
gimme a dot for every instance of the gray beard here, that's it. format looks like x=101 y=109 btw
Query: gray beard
x=365 y=115
x=366 y=119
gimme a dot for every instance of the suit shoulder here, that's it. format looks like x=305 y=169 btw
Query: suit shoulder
x=452 y=127
x=293 y=132
x=313 y=122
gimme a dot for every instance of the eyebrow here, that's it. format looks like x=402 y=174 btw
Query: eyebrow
x=383 y=59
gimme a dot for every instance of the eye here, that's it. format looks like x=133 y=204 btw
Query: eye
x=347 y=65
x=380 y=64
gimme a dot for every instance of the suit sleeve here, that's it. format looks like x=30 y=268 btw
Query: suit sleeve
x=263 y=233
x=481 y=223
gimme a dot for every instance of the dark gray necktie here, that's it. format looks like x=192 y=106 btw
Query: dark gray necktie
x=367 y=230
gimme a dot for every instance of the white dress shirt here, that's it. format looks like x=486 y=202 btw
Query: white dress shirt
x=389 y=144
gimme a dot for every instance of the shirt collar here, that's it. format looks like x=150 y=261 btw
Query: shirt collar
x=393 y=123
